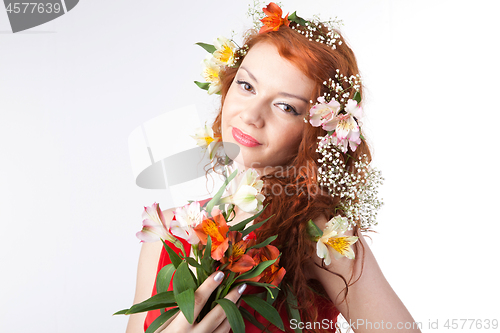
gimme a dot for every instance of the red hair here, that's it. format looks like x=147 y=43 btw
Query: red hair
x=299 y=177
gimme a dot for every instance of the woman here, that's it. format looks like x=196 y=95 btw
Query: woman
x=266 y=110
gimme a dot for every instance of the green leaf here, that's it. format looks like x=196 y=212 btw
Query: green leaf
x=202 y=275
x=192 y=262
x=313 y=230
x=252 y=319
x=183 y=280
x=229 y=282
x=253 y=227
x=291 y=307
x=206 y=260
x=203 y=85
x=241 y=226
x=357 y=97
x=158 y=301
x=297 y=19
x=208 y=47
x=121 y=312
x=161 y=320
x=233 y=315
x=257 y=270
x=218 y=195
x=185 y=300
x=264 y=243
x=174 y=257
x=265 y=309
x=164 y=277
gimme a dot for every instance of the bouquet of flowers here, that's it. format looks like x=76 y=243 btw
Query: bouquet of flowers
x=215 y=246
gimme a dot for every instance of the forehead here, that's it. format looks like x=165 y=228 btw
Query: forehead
x=269 y=68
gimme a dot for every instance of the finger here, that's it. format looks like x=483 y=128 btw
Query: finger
x=217 y=315
x=204 y=291
x=224 y=327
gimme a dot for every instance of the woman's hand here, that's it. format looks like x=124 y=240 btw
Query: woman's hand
x=215 y=321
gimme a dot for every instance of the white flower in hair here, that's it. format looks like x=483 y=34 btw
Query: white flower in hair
x=224 y=53
x=206 y=139
x=333 y=238
x=323 y=113
x=210 y=73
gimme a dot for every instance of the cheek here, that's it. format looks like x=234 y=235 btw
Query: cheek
x=291 y=139
x=226 y=116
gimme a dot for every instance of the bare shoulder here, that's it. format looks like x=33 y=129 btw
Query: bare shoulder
x=370 y=296
x=334 y=277
x=146 y=275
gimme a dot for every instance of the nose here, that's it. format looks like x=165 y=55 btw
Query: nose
x=253 y=114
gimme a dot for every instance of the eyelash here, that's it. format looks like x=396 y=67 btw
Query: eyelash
x=241 y=83
x=292 y=111
x=250 y=89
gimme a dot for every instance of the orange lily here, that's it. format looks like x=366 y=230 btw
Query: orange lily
x=273 y=21
x=273 y=274
x=239 y=262
x=217 y=228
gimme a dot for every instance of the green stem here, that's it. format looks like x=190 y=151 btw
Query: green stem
x=178 y=244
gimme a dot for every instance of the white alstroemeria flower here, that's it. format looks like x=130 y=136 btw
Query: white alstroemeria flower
x=204 y=136
x=210 y=73
x=155 y=227
x=225 y=51
x=206 y=139
x=244 y=192
x=186 y=218
x=333 y=238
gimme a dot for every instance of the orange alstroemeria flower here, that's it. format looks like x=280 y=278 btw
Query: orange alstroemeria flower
x=273 y=274
x=217 y=228
x=273 y=21
x=237 y=260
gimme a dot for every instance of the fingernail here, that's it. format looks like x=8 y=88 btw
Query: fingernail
x=242 y=288
x=219 y=276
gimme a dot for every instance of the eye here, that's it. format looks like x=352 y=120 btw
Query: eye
x=245 y=85
x=287 y=108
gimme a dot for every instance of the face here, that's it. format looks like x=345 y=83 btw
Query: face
x=264 y=109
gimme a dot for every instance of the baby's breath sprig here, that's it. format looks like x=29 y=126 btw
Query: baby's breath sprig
x=341 y=88
x=256 y=14
x=316 y=30
x=357 y=188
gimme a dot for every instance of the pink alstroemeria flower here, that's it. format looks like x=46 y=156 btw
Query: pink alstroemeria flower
x=154 y=226
x=323 y=114
x=345 y=127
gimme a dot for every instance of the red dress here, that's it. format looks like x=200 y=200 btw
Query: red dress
x=327 y=312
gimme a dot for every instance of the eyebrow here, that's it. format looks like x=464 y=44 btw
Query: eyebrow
x=285 y=94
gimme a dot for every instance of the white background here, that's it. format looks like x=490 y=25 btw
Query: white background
x=72 y=90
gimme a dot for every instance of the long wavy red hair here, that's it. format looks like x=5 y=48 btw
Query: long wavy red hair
x=291 y=213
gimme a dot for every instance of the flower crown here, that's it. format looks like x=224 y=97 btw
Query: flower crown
x=337 y=111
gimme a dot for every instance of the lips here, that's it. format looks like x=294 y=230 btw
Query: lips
x=244 y=139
